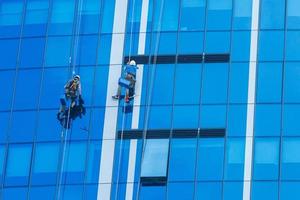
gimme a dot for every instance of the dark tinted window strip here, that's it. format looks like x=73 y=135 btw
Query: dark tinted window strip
x=177 y=133
x=171 y=59
x=153 y=181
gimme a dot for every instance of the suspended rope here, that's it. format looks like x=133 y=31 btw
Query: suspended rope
x=124 y=105
x=152 y=76
x=72 y=64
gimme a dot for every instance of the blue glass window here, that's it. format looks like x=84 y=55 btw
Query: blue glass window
x=93 y=164
x=235 y=157
x=32 y=52
x=240 y=49
x=238 y=82
x=18 y=155
x=153 y=192
x=271 y=45
x=90 y=16
x=74 y=165
x=159 y=117
x=26 y=92
x=292 y=46
x=291 y=83
x=166 y=15
x=9 y=50
x=90 y=191
x=48 y=128
x=291 y=125
x=2 y=160
x=164 y=43
x=6 y=100
x=4 y=119
x=134 y=15
x=182 y=160
x=185 y=117
x=23 y=126
x=210 y=159
x=15 y=193
x=108 y=16
x=236 y=125
x=45 y=164
x=192 y=9
x=290 y=161
x=217 y=42
x=269 y=83
x=272 y=14
x=155 y=158
x=187 y=84
x=264 y=190
x=266 y=157
x=293 y=15
x=267 y=120
x=213 y=116
x=233 y=190
x=72 y=192
x=61 y=21
x=219 y=14
x=242 y=14
x=101 y=81
x=86 y=50
x=190 y=42
x=186 y=191
x=58 y=51
x=10 y=17
x=214 y=83
x=53 y=86
x=163 y=84
x=104 y=49
x=37 y=192
x=36 y=17
x=289 y=190
x=209 y=191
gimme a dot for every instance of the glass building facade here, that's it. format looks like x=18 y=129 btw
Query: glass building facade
x=215 y=116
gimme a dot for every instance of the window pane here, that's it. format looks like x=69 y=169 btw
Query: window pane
x=153 y=192
x=192 y=9
x=219 y=14
x=155 y=158
x=187 y=84
x=289 y=190
x=164 y=43
x=266 y=157
x=293 y=15
x=93 y=165
x=235 y=157
x=240 y=49
x=217 y=42
x=214 y=83
x=18 y=155
x=15 y=193
x=210 y=159
x=23 y=126
x=264 y=190
x=269 y=83
x=233 y=190
x=166 y=17
x=292 y=45
x=90 y=16
x=108 y=16
x=267 y=120
x=238 y=88
x=185 y=117
x=291 y=125
x=32 y=52
x=272 y=14
x=58 y=51
x=72 y=192
x=36 y=17
x=242 y=14
x=26 y=92
x=37 y=192
x=209 y=191
x=190 y=42
x=9 y=51
x=2 y=159
x=292 y=83
x=4 y=125
x=61 y=21
x=87 y=50
x=290 y=159
x=181 y=191
x=6 y=100
x=182 y=160
x=236 y=125
x=160 y=117
x=271 y=45
x=45 y=164
x=213 y=116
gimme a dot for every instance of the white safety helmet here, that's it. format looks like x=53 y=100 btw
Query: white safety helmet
x=132 y=62
x=76 y=77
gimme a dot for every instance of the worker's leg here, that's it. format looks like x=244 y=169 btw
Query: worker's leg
x=117 y=96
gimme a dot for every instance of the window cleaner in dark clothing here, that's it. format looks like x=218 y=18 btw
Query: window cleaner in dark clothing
x=73 y=93
x=73 y=90
x=127 y=81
